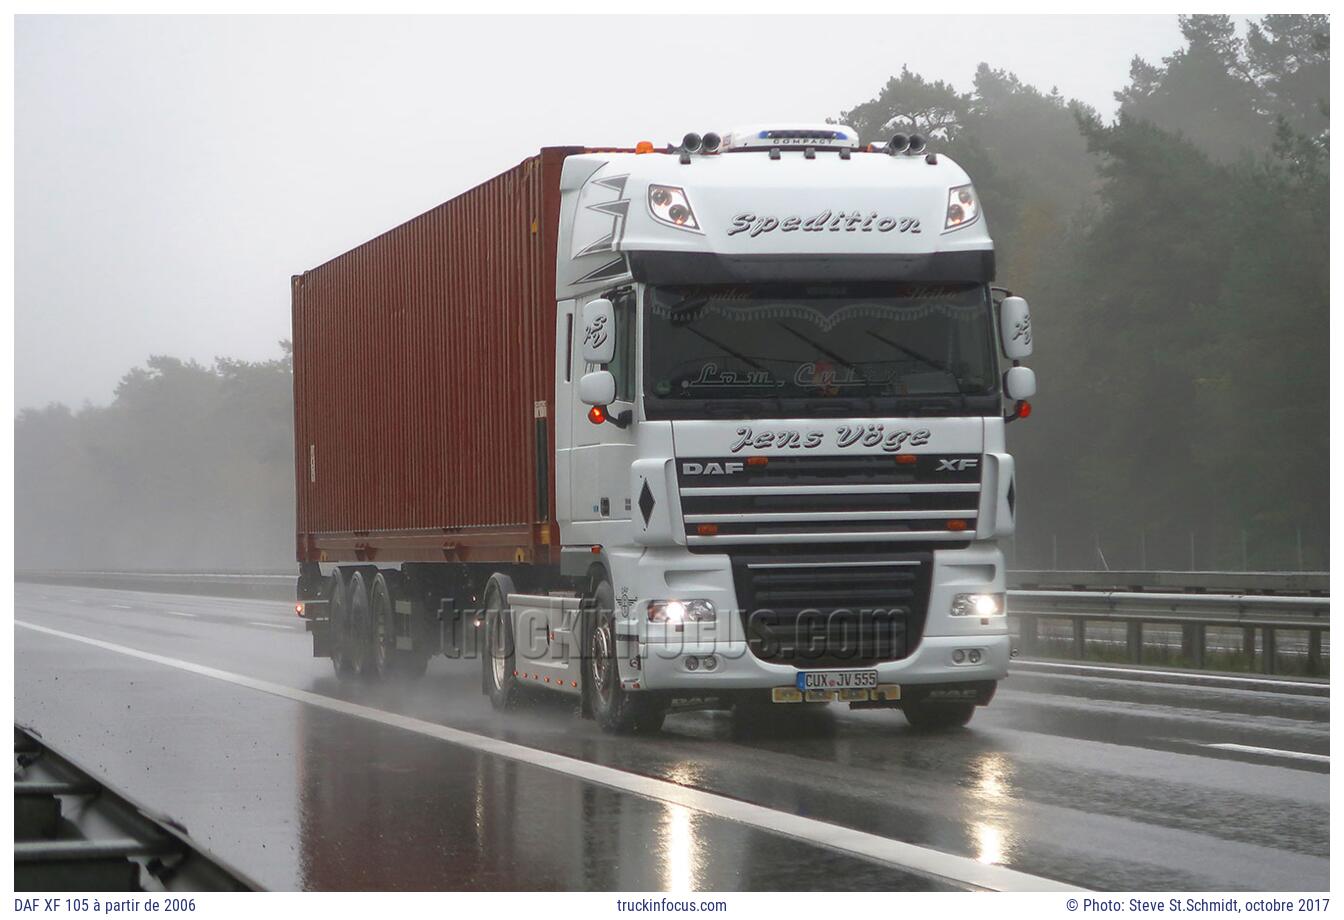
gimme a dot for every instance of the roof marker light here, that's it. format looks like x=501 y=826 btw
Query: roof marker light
x=644 y=147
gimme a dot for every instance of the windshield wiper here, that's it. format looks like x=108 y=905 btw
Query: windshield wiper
x=824 y=350
x=927 y=362
x=923 y=359
x=736 y=354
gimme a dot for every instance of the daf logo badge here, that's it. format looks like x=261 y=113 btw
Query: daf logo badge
x=954 y=465
x=712 y=469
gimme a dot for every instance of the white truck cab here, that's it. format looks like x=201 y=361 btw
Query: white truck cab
x=780 y=415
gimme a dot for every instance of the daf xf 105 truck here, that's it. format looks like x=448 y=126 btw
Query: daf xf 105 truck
x=713 y=424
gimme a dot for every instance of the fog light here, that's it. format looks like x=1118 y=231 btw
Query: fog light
x=709 y=662
x=973 y=656
x=977 y=605
x=958 y=656
x=692 y=663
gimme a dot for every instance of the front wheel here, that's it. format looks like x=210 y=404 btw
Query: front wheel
x=925 y=716
x=615 y=709
x=499 y=662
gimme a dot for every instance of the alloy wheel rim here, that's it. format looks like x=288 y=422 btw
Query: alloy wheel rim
x=496 y=650
x=602 y=660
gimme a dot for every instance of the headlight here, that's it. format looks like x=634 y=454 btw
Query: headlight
x=962 y=207
x=978 y=605
x=669 y=205
x=680 y=611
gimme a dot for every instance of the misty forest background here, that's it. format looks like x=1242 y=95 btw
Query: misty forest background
x=1176 y=260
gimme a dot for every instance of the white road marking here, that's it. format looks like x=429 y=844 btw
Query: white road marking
x=1102 y=670
x=285 y=626
x=1272 y=752
x=179 y=613
x=960 y=870
x=121 y=607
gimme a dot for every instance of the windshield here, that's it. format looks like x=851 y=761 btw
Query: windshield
x=825 y=348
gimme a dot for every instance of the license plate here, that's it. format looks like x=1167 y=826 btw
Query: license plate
x=836 y=680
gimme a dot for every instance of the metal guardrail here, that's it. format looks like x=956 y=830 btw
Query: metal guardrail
x=1294 y=583
x=73 y=832
x=280 y=584
x=260 y=585
x=1264 y=603
x=1195 y=613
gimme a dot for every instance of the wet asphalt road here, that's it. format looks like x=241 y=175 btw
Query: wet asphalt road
x=1101 y=783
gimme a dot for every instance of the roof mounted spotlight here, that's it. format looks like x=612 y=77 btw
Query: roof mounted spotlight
x=899 y=143
x=691 y=143
x=710 y=142
x=917 y=143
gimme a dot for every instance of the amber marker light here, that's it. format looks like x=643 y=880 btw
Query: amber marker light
x=597 y=415
x=956 y=525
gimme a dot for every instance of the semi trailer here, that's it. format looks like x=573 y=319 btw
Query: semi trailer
x=714 y=424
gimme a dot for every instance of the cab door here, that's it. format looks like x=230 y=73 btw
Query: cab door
x=600 y=455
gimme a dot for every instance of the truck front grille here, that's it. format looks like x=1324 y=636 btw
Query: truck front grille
x=819 y=612
x=737 y=502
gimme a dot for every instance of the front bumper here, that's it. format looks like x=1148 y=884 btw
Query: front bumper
x=664 y=666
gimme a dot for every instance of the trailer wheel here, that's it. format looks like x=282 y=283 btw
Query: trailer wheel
x=925 y=716
x=614 y=708
x=382 y=627
x=361 y=626
x=339 y=625
x=499 y=661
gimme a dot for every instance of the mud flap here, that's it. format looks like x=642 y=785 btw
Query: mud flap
x=979 y=692
x=321 y=633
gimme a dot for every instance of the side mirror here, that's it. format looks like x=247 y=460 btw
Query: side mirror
x=597 y=388
x=1015 y=328
x=1018 y=383
x=599 y=333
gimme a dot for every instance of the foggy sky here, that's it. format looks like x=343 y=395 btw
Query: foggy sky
x=172 y=173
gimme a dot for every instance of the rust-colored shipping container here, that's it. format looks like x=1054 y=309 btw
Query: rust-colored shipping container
x=423 y=383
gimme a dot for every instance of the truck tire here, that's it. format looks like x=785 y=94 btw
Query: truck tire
x=498 y=659
x=339 y=625
x=937 y=717
x=383 y=628
x=361 y=625
x=614 y=708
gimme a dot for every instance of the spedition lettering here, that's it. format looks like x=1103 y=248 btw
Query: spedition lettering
x=752 y=225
